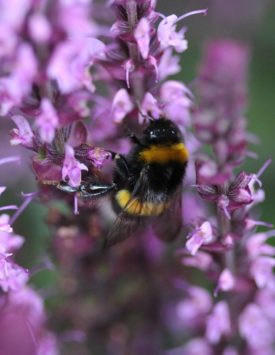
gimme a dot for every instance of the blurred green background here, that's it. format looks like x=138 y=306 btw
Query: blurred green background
x=249 y=21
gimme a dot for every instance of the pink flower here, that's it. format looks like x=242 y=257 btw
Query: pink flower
x=72 y=167
x=13 y=12
x=70 y=63
x=226 y=280
x=12 y=276
x=10 y=93
x=262 y=270
x=149 y=106
x=195 y=346
x=27 y=302
x=256 y=245
x=203 y=261
x=15 y=86
x=196 y=305
x=4 y=224
x=47 y=121
x=168 y=36
x=39 y=27
x=168 y=64
x=23 y=133
x=22 y=321
x=8 y=40
x=142 y=36
x=230 y=350
x=74 y=17
x=47 y=344
x=177 y=104
x=218 y=323
x=255 y=327
x=9 y=242
x=25 y=67
x=121 y=106
x=201 y=235
x=98 y=156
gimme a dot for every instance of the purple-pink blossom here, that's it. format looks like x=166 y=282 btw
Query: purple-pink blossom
x=47 y=121
x=72 y=167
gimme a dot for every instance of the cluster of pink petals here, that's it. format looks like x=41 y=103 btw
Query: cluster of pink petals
x=22 y=315
x=57 y=37
x=224 y=247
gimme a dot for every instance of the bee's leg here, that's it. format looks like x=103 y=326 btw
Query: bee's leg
x=63 y=186
x=121 y=165
x=95 y=190
x=134 y=138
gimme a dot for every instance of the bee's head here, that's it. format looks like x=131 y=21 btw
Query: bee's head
x=162 y=131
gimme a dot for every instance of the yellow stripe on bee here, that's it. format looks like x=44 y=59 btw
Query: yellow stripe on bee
x=164 y=154
x=133 y=206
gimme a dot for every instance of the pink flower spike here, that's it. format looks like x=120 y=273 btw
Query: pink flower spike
x=23 y=133
x=121 y=106
x=47 y=121
x=200 y=236
x=2 y=189
x=142 y=36
x=72 y=167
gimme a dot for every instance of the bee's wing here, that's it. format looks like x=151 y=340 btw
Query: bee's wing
x=125 y=225
x=123 y=228
x=168 y=225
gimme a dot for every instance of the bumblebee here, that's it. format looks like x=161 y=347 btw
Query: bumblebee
x=147 y=183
